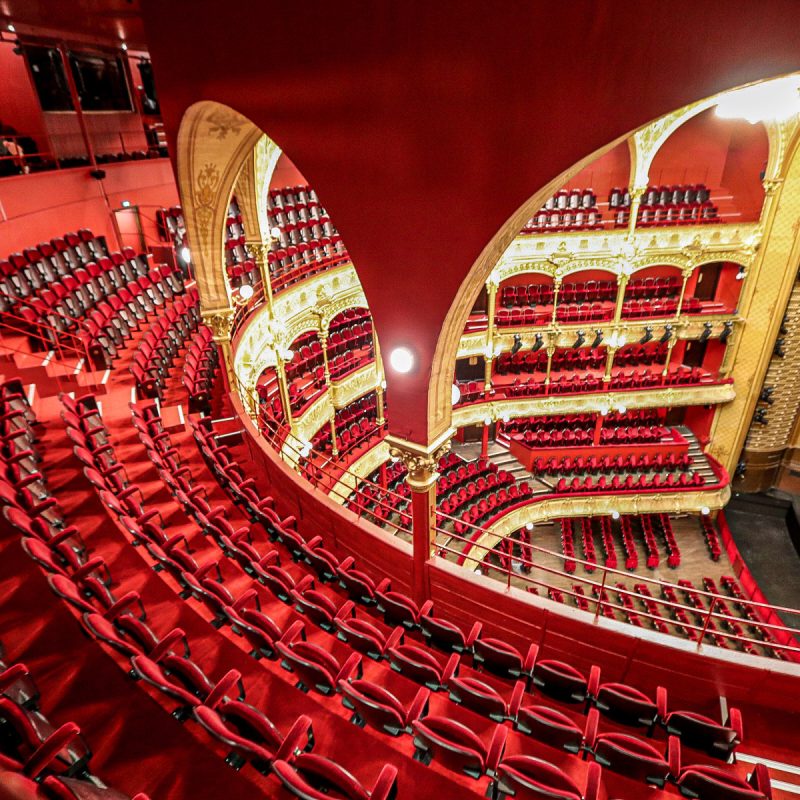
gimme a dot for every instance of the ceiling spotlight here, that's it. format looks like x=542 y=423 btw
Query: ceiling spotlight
x=770 y=100
x=727 y=330
x=517 y=344
x=401 y=359
x=538 y=343
x=124 y=46
x=667 y=334
x=648 y=335
x=705 y=511
x=529 y=526
x=707 y=326
x=615 y=514
x=580 y=340
x=598 y=337
x=186 y=255
x=455 y=394
x=740 y=274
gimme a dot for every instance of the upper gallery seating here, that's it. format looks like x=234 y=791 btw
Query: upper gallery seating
x=306 y=240
x=239 y=262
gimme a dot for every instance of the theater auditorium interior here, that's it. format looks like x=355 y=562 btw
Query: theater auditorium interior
x=399 y=400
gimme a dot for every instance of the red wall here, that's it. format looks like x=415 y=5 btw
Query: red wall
x=38 y=207
x=20 y=107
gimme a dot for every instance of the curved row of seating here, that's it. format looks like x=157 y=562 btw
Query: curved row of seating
x=39 y=761
x=162 y=342
x=200 y=369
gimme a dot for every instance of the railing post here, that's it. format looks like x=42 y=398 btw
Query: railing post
x=706 y=623
x=600 y=596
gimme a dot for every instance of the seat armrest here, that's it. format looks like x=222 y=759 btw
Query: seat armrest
x=590 y=731
x=474 y=633
x=496 y=747
x=225 y=684
x=123 y=604
x=426 y=608
x=451 y=668
x=350 y=667
x=517 y=696
x=300 y=735
x=593 y=685
x=168 y=642
x=674 y=756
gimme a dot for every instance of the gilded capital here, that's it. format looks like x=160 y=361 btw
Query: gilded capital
x=421 y=462
x=220 y=321
x=771 y=185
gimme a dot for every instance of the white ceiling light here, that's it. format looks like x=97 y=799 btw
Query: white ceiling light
x=275 y=233
x=615 y=514
x=186 y=254
x=705 y=511
x=246 y=291
x=529 y=526
x=771 y=100
x=401 y=359
x=455 y=394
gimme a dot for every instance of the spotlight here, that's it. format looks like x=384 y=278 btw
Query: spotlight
x=598 y=337
x=667 y=334
x=529 y=526
x=11 y=28
x=401 y=359
x=761 y=416
x=538 y=344
x=580 y=340
x=275 y=232
x=124 y=46
x=727 y=330
x=517 y=344
x=487 y=421
x=740 y=470
x=455 y=394
x=707 y=326
x=648 y=335
x=705 y=511
x=740 y=274
x=186 y=255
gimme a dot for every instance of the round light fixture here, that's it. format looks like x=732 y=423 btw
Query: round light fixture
x=487 y=420
x=246 y=291
x=455 y=394
x=705 y=511
x=529 y=526
x=185 y=254
x=401 y=359
x=615 y=514
x=275 y=232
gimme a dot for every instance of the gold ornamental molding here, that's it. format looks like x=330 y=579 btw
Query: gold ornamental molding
x=293 y=313
x=591 y=402
x=589 y=506
x=684 y=327
x=679 y=246
x=220 y=321
x=358 y=470
x=765 y=296
x=315 y=417
x=344 y=391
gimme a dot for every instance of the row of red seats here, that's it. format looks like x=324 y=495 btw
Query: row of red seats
x=711 y=537
x=200 y=369
x=24 y=274
x=585 y=421
x=608 y=436
x=562 y=359
x=39 y=761
x=629 y=482
x=162 y=342
x=606 y=464
x=489 y=506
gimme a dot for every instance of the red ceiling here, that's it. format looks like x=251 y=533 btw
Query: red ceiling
x=424 y=125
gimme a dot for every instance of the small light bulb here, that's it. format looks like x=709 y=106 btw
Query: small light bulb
x=529 y=526
x=487 y=420
x=186 y=254
x=705 y=511
x=124 y=46
x=11 y=28
x=455 y=394
x=246 y=291
x=275 y=233
x=401 y=359
x=615 y=514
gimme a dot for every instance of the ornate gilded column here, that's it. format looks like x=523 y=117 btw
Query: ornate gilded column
x=636 y=193
x=670 y=345
x=380 y=419
x=283 y=388
x=262 y=260
x=550 y=349
x=491 y=290
x=610 y=353
x=687 y=273
x=622 y=283
x=220 y=321
x=556 y=290
x=421 y=462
